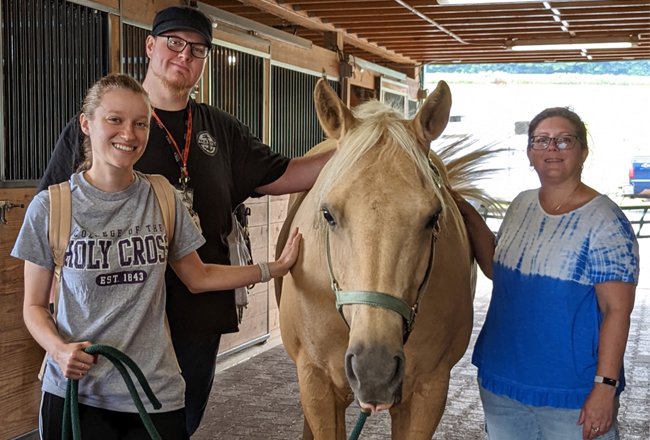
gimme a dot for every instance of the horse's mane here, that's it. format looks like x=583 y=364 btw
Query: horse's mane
x=377 y=125
x=459 y=164
x=464 y=163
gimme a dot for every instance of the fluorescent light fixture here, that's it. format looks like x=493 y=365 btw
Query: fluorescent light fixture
x=571 y=44
x=249 y=25
x=482 y=2
x=367 y=65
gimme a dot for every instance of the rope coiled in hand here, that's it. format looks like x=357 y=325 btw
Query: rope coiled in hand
x=120 y=361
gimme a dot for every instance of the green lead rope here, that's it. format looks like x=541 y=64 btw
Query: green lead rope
x=361 y=420
x=119 y=360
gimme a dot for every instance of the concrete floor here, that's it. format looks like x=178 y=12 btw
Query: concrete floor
x=255 y=395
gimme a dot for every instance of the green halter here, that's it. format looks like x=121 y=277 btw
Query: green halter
x=379 y=299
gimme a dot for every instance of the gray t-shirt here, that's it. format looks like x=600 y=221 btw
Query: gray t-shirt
x=113 y=287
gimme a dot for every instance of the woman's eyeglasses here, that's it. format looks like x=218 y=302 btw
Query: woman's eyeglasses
x=564 y=142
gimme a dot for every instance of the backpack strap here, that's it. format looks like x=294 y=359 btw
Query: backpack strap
x=60 y=220
x=59 y=229
x=166 y=200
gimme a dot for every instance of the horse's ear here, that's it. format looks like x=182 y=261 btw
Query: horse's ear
x=433 y=116
x=333 y=115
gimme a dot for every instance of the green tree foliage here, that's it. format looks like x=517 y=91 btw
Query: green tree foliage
x=636 y=68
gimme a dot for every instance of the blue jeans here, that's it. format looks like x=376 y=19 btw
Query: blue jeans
x=507 y=419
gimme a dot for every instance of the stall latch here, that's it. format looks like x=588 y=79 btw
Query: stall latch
x=5 y=206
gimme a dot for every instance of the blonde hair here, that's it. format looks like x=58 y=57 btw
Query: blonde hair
x=93 y=99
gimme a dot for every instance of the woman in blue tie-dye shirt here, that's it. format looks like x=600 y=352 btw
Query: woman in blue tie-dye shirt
x=564 y=266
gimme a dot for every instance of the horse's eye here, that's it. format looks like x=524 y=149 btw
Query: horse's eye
x=433 y=221
x=329 y=218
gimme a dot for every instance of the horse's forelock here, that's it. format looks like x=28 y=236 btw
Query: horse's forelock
x=375 y=110
x=379 y=126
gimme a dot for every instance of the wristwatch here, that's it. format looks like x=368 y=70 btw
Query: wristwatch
x=606 y=381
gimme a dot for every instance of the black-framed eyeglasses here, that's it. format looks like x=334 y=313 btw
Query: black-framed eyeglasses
x=563 y=142
x=177 y=44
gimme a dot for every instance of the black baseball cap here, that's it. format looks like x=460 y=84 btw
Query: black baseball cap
x=182 y=18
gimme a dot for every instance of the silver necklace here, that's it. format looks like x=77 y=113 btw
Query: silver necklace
x=557 y=208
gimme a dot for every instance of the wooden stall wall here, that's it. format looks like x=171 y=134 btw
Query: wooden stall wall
x=21 y=357
x=254 y=327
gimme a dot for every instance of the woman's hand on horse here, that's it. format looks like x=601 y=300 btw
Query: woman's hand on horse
x=73 y=360
x=289 y=255
x=466 y=209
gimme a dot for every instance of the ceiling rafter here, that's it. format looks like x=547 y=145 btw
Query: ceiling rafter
x=411 y=32
x=274 y=8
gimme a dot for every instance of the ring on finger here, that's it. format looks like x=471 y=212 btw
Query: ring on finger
x=595 y=428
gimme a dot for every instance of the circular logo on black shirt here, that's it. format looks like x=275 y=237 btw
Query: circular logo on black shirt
x=207 y=143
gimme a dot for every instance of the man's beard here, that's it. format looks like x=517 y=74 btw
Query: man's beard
x=179 y=87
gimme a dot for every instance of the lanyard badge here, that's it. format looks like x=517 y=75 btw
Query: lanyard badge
x=186 y=193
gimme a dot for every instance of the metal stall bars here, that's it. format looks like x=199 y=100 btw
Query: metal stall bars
x=134 y=56
x=52 y=51
x=294 y=124
x=238 y=86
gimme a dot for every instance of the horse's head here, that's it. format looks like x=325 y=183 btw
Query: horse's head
x=380 y=201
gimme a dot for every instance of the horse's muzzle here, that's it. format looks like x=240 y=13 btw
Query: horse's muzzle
x=375 y=375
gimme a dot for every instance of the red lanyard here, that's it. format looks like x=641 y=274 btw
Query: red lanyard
x=181 y=156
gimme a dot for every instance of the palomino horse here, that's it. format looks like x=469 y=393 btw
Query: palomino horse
x=382 y=240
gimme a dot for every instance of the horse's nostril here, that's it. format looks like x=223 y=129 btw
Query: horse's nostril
x=349 y=370
x=399 y=368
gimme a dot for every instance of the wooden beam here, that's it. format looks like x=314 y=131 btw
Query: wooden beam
x=307 y=2
x=301 y=19
x=352 y=5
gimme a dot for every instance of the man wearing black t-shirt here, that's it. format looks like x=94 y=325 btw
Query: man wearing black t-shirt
x=215 y=162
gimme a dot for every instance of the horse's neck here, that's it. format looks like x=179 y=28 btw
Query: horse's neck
x=295 y=201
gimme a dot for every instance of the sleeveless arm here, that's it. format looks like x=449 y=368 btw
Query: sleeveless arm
x=481 y=237
x=615 y=300
x=200 y=277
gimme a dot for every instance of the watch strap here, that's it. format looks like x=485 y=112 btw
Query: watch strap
x=606 y=381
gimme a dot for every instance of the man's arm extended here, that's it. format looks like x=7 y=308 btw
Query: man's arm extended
x=300 y=175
